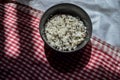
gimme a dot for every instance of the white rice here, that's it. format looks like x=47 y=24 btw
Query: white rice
x=65 y=32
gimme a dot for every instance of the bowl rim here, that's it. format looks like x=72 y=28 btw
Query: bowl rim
x=61 y=4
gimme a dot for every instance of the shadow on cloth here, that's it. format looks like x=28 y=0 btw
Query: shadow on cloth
x=2 y=32
x=25 y=65
x=68 y=62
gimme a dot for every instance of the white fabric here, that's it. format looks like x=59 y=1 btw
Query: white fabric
x=105 y=15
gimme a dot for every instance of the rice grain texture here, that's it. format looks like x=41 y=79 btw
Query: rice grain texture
x=65 y=32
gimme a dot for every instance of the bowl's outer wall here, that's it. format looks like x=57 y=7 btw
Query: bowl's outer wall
x=71 y=9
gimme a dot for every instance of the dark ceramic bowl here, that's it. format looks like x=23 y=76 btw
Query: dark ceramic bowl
x=71 y=9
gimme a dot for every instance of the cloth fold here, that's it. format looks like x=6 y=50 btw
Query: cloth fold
x=24 y=56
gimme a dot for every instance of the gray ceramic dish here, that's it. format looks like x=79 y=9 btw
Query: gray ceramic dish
x=71 y=9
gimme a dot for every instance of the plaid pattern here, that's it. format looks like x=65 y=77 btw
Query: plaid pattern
x=23 y=55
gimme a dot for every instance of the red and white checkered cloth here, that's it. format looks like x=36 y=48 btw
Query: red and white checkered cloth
x=24 y=57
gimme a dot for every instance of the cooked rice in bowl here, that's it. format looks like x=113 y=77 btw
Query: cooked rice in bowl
x=65 y=32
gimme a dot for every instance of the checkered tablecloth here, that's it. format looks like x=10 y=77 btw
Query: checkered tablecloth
x=23 y=55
